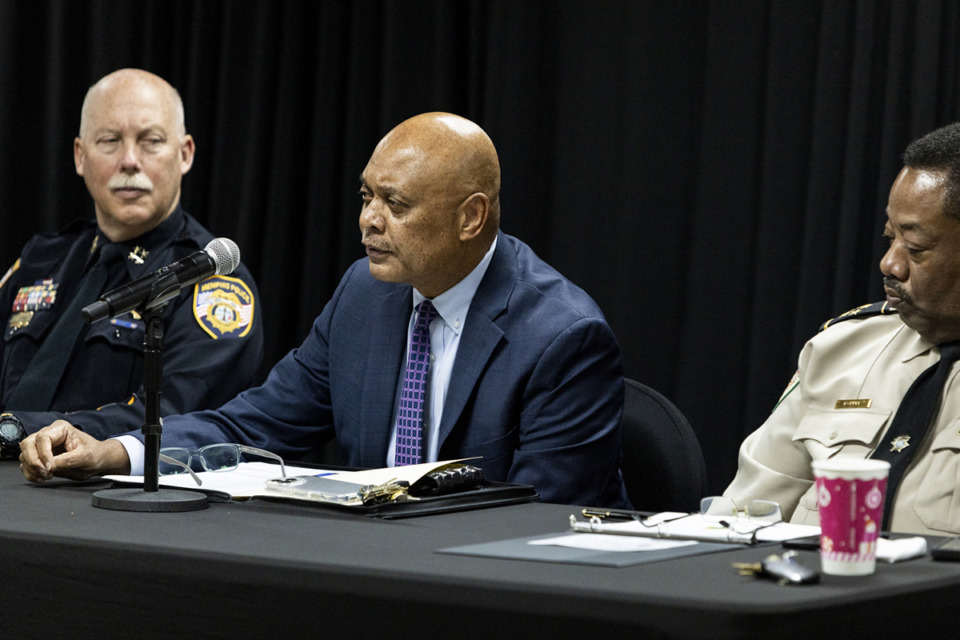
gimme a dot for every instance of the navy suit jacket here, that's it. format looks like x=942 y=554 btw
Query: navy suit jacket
x=536 y=388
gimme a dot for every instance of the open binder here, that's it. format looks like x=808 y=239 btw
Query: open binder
x=488 y=494
x=252 y=480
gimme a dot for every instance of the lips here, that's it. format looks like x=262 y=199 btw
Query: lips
x=129 y=193
x=895 y=297
x=374 y=252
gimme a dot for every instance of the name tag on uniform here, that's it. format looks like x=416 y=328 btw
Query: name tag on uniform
x=859 y=403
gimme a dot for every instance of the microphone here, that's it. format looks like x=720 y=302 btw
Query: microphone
x=220 y=257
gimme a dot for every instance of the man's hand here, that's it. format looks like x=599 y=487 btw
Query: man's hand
x=63 y=450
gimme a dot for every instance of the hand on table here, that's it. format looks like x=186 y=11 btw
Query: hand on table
x=61 y=449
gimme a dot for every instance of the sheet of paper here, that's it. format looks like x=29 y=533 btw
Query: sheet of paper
x=600 y=542
x=786 y=531
x=410 y=473
x=245 y=481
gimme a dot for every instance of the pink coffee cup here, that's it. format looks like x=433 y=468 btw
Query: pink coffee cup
x=850 y=495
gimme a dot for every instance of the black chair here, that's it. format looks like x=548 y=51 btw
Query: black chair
x=663 y=465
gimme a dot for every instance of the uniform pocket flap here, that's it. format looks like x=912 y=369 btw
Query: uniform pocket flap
x=949 y=438
x=834 y=427
x=121 y=332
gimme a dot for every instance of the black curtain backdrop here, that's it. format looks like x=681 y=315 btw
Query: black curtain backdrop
x=713 y=173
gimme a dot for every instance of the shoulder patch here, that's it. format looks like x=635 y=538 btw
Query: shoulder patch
x=863 y=311
x=223 y=306
x=794 y=381
x=10 y=272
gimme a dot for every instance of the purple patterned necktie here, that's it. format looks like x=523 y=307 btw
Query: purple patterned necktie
x=410 y=412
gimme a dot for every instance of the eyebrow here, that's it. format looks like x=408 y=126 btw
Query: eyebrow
x=913 y=227
x=138 y=131
x=388 y=190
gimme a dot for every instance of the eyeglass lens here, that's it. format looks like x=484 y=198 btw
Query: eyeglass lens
x=718 y=506
x=218 y=457
x=215 y=457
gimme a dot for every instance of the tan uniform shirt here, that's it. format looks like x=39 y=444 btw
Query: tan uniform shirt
x=875 y=359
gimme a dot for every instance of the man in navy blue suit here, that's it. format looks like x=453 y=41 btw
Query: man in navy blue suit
x=523 y=369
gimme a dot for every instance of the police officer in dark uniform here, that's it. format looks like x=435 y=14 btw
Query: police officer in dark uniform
x=132 y=152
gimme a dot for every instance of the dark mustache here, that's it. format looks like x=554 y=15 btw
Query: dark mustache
x=894 y=285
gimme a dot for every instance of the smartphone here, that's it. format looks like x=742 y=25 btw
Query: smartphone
x=317 y=488
x=811 y=543
x=949 y=549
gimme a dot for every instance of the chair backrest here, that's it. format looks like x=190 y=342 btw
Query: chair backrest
x=663 y=465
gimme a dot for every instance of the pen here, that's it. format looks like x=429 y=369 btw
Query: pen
x=610 y=514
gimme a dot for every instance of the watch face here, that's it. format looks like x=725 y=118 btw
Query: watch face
x=9 y=431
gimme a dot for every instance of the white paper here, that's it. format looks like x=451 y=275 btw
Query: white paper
x=247 y=480
x=601 y=542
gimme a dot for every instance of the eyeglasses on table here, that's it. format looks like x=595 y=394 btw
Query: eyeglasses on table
x=212 y=457
x=747 y=520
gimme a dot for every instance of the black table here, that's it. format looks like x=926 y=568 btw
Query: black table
x=267 y=569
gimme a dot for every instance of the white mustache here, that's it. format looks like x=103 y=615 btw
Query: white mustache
x=127 y=181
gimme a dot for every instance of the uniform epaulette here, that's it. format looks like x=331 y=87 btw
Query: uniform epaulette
x=10 y=272
x=863 y=311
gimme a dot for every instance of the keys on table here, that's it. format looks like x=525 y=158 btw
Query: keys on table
x=784 y=569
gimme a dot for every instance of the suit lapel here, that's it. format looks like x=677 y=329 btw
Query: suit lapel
x=481 y=334
x=388 y=340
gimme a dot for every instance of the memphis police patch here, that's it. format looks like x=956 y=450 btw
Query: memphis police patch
x=223 y=306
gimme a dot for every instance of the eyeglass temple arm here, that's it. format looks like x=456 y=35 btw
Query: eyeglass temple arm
x=177 y=463
x=266 y=454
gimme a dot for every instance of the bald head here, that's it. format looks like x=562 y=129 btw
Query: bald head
x=132 y=151
x=431 y=202
x=125 y=82
x=450 y=150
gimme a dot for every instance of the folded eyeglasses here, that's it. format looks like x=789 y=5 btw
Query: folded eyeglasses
x=213 y=457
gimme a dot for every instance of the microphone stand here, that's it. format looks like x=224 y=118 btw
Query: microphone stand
x=151 y=497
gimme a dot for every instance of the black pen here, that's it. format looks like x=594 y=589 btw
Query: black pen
x=610 y=514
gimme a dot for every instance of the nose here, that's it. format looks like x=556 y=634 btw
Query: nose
x=893 y=264
x=130 y=159
x=370 y=216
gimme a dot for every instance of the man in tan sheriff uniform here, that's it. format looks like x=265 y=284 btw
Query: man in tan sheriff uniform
x=854 y=373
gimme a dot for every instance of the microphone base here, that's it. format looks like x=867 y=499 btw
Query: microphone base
x=162 y=501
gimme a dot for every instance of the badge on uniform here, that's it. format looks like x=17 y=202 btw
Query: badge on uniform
x=223 y=306
x=137 y=255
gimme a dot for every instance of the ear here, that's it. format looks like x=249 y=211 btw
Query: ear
x=473 y=214
x=78 y=156
x=187 y=150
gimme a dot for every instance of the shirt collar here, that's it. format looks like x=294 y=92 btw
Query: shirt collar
x=914 y=346
x=138 y=252
x=453 y=304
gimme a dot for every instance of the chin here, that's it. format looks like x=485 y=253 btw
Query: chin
x=379 y=272
x=128 y=224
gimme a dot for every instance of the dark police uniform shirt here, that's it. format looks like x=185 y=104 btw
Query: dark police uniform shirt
x=213 y=337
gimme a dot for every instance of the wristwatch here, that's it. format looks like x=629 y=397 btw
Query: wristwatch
x=11 y=433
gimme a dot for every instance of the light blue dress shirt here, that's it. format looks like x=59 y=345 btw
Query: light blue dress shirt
x=452 y=306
